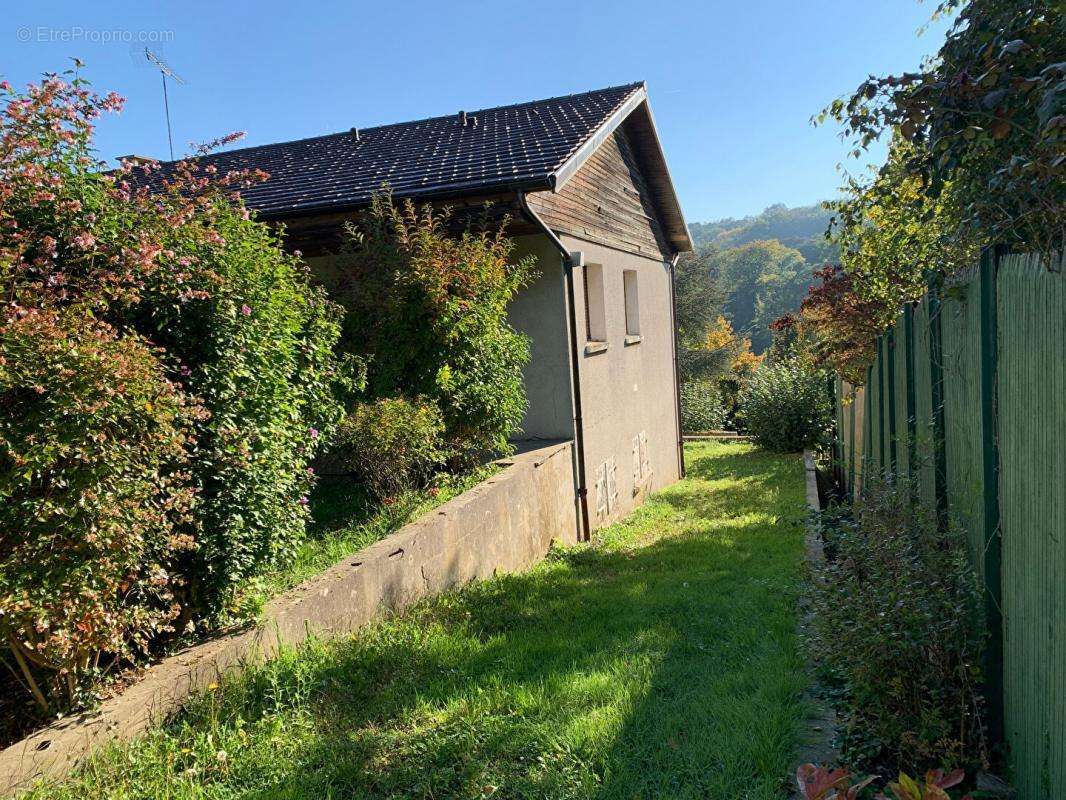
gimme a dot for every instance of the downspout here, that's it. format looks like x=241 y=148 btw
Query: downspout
x=575 y=367
x=677 y=372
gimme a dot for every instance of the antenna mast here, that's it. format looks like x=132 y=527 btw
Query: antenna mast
x=165 y=72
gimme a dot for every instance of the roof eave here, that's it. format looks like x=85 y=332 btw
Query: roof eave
x=442 y=193
x=679 y=232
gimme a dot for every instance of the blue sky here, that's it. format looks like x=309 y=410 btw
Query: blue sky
x=733 y=84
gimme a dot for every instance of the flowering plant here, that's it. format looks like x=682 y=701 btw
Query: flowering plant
x=162 y=361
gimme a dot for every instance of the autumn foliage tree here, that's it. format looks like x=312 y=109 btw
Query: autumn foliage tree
x=895 y=234
x=977 y=157
x=843 y=326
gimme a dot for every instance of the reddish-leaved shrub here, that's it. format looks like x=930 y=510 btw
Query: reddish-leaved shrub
x=167 y=373
x=95 y=500
x=821 y=783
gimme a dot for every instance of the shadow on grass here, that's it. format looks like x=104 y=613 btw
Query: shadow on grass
x=663 y=671
x=661 y=663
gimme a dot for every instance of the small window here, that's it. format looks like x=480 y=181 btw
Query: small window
x=595 y=316
x=629 y=285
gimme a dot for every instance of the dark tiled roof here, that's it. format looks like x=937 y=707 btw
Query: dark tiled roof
x=518 y=146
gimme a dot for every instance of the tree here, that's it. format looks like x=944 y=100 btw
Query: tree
x=706 y=344
x=840 y=325
x=976 y=158
x=894 y=234
x=987 y=118
x=698 y=299
x=764 y=280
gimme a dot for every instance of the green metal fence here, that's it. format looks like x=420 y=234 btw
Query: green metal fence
x=967 y=395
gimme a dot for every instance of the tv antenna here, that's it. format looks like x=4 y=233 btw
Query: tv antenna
x=165 y=72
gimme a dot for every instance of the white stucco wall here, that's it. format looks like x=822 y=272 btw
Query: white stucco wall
x=627 y=390
x=539 y=311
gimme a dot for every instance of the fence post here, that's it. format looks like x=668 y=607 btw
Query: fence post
x=868 y=421
x=990 y=472
x=851 y=443
x=890 y=391
x=912 y=401
x=936 y=374
x=836 y=391
x=881 y=449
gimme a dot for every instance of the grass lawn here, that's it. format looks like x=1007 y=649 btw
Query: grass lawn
x=658 y=663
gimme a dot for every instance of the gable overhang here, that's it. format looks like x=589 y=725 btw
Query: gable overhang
x=635 y=112
x=569 y=168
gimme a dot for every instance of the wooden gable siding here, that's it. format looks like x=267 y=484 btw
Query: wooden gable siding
x=607 y=201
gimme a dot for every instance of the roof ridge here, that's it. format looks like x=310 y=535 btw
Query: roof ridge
x=322 y=136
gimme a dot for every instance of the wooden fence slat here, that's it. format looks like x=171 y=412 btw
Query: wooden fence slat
x=974 y=378
x=1031 y=427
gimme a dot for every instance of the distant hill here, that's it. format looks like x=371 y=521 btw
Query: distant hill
x=801 y=228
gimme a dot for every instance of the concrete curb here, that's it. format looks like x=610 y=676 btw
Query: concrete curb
x=821 y=723
x=725 y=436
x=505 y=524
x=814 y=502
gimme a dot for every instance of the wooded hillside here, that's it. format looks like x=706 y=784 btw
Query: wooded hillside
x=763 y=265
x=801 y=228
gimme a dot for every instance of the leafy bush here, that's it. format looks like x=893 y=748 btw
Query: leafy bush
x=821 y=783
x=184 y=335
x=898 y=629
x=701 y=407
x=93 y=496
x=786 y=406
x=427 y=310
x=255 y=345
x=392 y=444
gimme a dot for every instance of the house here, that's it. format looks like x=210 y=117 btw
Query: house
x=585 y=184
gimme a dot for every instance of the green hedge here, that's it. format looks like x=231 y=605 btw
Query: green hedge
x=786 y=406
x=702 y=409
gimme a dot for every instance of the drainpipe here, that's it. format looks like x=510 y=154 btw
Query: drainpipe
x=575 y=367
x=677 y=373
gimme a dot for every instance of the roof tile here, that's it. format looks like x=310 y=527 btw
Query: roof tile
x=498 y=148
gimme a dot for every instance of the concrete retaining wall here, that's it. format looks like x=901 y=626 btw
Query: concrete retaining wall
x=505 y=524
